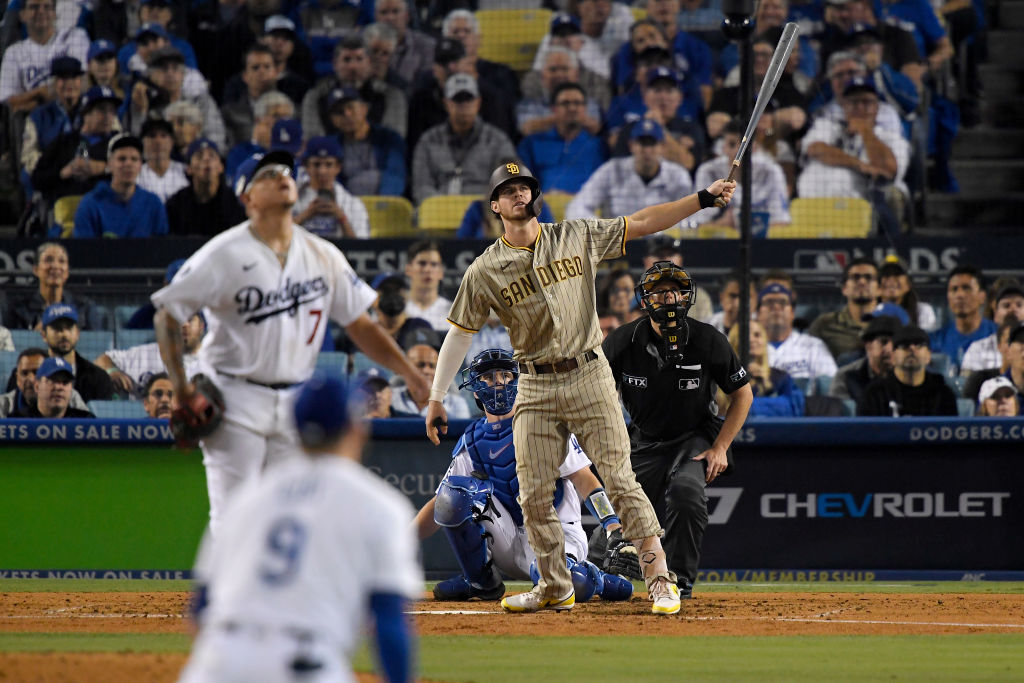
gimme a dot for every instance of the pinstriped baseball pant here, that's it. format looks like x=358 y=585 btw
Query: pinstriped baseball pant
x=548 y=408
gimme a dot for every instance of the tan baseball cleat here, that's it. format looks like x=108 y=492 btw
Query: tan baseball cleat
x=532 y=601
x=665 y=595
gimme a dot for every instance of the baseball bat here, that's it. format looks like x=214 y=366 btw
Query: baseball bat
x=771 y=79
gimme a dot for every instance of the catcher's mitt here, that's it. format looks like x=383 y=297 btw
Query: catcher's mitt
x=200 y=415
x=620 y=557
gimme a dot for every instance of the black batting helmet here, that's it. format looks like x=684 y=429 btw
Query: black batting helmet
x=516 y=171
x=664 y=311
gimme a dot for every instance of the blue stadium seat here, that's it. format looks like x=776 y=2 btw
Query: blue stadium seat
x=822 y=385
x=94 y=343
x=122 y=314
x=335 y=361
x=8 y=361
x=24 y=339
x=803 y=384
x=110 y=409
x=940 y=363
x=361 y=361
x=965 y=407
x=849 y=407
x=129 y=338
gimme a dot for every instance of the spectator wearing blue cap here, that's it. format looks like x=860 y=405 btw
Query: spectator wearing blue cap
x=457 y=157
x=75 y=161
x=624 y=185
x=270 y=108
x=60 y=332
x=857 y=157
x=102 y=69
x=536 y=114
x=120 y=208
x=630 y=106
x=799 y=354
x=841 y=329
x=48 y=121
x=25 y=70
x=54 y=390
x=154 y=32
x=389 y=310
x=207 y=205
x=160 y=174
x=374 y=155
x=325 y=207
x=258 y=77
x=372 y=396
x=563 y=157
x=388 y=106
x=565 y=31
x=21 y=387
x=663 y=101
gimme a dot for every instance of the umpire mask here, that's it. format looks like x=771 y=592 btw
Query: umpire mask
x=666 y=292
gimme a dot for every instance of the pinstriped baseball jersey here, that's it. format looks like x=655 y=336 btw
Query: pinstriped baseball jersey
x=544 y=293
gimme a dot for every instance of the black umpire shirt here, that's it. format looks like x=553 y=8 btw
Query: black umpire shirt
x=670 y=402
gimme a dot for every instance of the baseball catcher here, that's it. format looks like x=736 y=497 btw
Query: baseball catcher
x=476 y=503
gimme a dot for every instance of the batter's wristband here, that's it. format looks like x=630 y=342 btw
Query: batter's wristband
x=706 y=199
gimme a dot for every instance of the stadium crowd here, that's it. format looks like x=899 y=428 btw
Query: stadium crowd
x=129 y=119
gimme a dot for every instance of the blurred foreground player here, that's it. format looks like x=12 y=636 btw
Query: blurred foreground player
x=266 y=288
x=306 y=555
x=476 y=502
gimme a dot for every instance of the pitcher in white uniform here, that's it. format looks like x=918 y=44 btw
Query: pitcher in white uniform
x=267 y=288
x=306 y=556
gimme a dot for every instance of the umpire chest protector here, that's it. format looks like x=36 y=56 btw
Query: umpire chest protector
x=489 y=445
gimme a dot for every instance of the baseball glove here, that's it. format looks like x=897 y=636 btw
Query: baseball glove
x=200 y=415
x=620 y=557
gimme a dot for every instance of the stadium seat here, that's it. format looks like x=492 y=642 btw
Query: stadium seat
x=360 y=362
x=113 y=409
x=8 y=361
x=557 y=202
x=939 y=363
x=444 y=213
x=122 y=314
x=389 y=216
x=825 y=217
x=803 y=384
x=717 y=232
x=333 y=361
x=965 y=407
x=822 y=385
x=849 y=407
x=64 y=213
x=128 y=338
x=24 y=339
x=512 y=36
x=638 y=13
x=94 y=343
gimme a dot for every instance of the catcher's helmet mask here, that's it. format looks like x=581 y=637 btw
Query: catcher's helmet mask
x=669 y=316
x=509 y=172
x=495 y=399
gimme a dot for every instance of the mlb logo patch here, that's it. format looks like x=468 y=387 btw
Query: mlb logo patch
x=689 y=384
x=635 y=382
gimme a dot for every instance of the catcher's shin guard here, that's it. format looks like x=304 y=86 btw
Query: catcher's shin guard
x=462 y=502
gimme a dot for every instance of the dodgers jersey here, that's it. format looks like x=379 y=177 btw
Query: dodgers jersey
x=265 y=322
x=543 y=294
x=575 y=460
x=26 y=64
x=305 y=546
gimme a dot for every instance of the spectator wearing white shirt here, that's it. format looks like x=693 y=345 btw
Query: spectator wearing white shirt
x=604 y=21
x=424 y=357
x=799 y=354
x=131 y=368
x=768 y=182
x=25 y=68
x=623 y=186
x=984 y=353
x=425 y=270
x=160 y=174
x=325 y=207
x=855 y=156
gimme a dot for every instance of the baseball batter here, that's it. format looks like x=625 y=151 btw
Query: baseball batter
x=476 y=501
x=267 y=288
x=539 y=280
x=304 y=557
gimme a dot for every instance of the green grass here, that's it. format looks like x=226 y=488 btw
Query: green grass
x=94 y=642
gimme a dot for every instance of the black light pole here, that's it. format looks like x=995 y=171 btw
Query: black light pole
x=739 y=27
